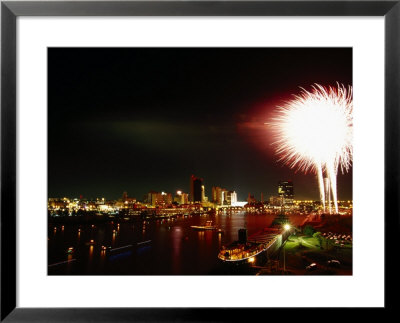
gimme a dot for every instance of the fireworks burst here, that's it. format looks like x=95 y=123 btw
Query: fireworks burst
x=314 y=132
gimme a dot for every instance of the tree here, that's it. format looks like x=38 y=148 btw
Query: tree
x=308 y=230
x=318 y=236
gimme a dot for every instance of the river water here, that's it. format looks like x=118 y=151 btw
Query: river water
x=175 y=248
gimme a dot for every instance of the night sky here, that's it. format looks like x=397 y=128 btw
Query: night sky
x=141 y=119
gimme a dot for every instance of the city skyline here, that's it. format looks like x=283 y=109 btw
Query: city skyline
x=137 y=120
x=284 y=189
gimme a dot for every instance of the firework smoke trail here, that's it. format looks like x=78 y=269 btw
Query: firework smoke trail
x=321 y=184
x=314 y=133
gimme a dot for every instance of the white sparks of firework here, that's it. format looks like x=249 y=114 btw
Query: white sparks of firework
x=314 y=132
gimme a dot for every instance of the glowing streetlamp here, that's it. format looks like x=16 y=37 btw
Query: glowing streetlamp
x=286 y=227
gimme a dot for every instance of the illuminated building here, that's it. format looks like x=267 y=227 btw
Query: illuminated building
x=220 y=196
x=159 y=199
x=233 y=197
x=275 y=201
x=230 y=197
x=225 y=197
x=57 y=204
x=196 y=189
x=166 y=199
x=185 y=198
x=152 y=197
x=181 y=198
x=214 y=194
x=286 y=192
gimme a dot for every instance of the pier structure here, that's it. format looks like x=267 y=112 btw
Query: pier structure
x=267 y=241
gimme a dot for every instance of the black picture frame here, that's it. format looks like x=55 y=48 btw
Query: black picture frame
x=10 y=10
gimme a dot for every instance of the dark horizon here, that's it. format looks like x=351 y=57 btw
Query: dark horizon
x=141 y=119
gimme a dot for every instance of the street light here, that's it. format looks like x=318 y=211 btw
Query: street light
x=284 y=258
x=286 y=227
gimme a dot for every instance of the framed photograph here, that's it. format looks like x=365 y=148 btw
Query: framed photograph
x=172 y=160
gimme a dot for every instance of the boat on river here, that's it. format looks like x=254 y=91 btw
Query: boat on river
x=208 y=226
x=245 y=250
x=241 y=252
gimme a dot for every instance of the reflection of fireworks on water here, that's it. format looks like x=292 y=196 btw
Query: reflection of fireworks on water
x=314 y=132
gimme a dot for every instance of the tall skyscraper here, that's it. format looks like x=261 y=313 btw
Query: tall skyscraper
x=196 y=189
x=286 y=192
x=231 y=198
x=222 y=196
x=214 y=194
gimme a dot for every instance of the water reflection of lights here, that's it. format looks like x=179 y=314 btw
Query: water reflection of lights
x=91 y=251
x=176 y=241
x=70 y=260
x=188 y=247
x=102 y=255
x=208 y=237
